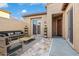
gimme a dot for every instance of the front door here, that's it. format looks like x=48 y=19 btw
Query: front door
x=59 y=27
x=34 y=23
x=36 y=27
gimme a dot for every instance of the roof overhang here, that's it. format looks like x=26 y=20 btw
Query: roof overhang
x=43 y=13
x=56 y=16
x=65 y=5
x=5 y=11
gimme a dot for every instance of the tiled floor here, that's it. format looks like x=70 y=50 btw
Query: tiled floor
x=60 y=47
x=39 y=47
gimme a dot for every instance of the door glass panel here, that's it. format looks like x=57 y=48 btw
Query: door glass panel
x=38 y=27
x=70 y=25
x=34 y=26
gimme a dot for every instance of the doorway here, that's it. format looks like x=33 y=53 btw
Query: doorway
x=57 y=25
x=36 y=24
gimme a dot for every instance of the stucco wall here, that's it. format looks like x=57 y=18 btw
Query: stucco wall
x=29 y=23
x=5 y=15
x=76 y=26
x=8 y=24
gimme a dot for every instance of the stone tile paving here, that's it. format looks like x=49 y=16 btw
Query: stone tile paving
x=57 y=46
x=41 y=48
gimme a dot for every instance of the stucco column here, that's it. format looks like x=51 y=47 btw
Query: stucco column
x=49 y=23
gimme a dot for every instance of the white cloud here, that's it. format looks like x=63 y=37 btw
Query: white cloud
x=27 y=3
x=24 y=11
x=34 y=3
x=31 y=3
x=3 y=5
x=37 y=3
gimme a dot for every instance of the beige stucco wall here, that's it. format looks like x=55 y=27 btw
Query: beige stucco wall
x=76 y=26
x=4 y=14
x=8 y=24
x=52 y=8
x=29 y=23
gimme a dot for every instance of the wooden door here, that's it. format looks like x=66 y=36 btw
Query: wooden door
x=59 y=27
x=53 y=27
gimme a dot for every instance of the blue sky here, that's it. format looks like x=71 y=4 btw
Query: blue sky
x=19 y=9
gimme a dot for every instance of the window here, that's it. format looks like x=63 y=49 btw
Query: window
x=70 y=25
